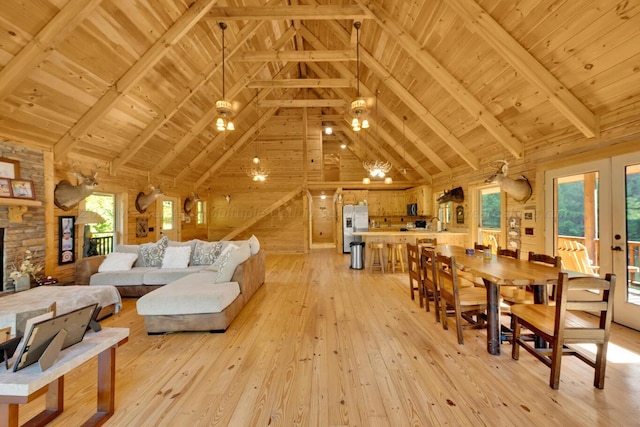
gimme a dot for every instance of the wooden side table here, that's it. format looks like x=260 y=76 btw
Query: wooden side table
x=28 y=383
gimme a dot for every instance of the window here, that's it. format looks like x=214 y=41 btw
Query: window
x=201 y=212
x=444 y=212
x=167 y=215
x=100 y=237
x=490 y=224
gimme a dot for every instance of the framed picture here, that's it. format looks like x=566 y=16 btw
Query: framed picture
x=5 y=187
x=142 y=227
x=66 y=246
x=22 y=189
x=529 y=215
x=9 y=168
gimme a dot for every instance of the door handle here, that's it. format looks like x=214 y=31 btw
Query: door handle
x=616 y=248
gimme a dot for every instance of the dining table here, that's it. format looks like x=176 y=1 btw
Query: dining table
x=497 y=271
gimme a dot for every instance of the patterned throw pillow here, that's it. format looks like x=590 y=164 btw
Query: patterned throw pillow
x=206 y=253
x=151 y=254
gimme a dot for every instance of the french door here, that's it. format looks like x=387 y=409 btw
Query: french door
x=168 y=219
x=596 y=225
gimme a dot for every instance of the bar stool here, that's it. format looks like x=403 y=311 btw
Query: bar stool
x=375 y=250
x=394 y=257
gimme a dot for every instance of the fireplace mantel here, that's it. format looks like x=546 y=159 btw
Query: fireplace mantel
x=17 y=207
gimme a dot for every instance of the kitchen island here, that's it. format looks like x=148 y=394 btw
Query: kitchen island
x=381 y=235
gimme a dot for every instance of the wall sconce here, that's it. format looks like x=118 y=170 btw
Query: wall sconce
x=227 y=197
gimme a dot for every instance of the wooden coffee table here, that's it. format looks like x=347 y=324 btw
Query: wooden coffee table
x=25 y=385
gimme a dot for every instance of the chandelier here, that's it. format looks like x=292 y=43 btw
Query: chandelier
x=224 y=106
x=257 y=172
x=377 y=169
x=358 y=105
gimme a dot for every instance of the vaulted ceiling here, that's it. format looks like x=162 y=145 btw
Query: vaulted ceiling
x=450 y=85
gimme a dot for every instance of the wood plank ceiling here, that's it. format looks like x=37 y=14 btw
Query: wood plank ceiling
x=133 y=84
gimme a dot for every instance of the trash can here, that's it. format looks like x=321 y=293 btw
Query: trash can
x=357 y=255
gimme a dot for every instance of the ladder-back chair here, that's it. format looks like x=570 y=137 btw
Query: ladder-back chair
x=560 y=328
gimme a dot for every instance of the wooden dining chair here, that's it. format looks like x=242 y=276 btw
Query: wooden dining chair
x=480 y=247
x=553 y=261
x=468 y=304
x=561 y=329
x=430 y=280
x=427 y=241
x=510 y=253
x=413 y=260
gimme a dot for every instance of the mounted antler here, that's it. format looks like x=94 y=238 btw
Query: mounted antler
x=520 y=188
x=66 y=196
x=143 y=201
x=190 y=202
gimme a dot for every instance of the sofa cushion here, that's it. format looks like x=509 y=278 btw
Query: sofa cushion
x=162 y=276
x=118 y=261
x=131 y=249
x=190 y=243
x=152 y=253
x=193 y=294
x=135 y=276
x=232 y=256
x=206 y=253
x=176 y=257
x=254 y=244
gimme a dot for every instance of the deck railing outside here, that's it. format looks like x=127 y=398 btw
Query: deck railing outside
x=101 y=245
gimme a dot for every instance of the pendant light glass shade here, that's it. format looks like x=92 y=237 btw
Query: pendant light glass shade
x=224 y=107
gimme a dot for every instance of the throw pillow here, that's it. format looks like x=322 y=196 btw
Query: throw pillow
x=254 y=244
x=206 y=253
x=234 y=255
x=176 y=257
x=117 y=261
x=152 y=253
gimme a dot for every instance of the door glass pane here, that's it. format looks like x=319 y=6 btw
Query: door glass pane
x=632 y=212
x=490 y=216
x=100 y=237
x=167 y=215
x=577 y=234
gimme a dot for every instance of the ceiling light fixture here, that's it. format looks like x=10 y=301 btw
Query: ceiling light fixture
x=328 y=130
x=377 y=168
x=257 y=172
x=405 y=169
x=358 y=105
x=224 y=106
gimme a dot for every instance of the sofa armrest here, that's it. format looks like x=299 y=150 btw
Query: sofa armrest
x=85 y=267
x=250 y=275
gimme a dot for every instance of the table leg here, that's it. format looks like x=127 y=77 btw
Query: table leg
x=106 y=387
x=493 y=317
x=9 y=414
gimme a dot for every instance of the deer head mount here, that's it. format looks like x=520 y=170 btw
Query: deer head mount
x=143 y=201
x=519 y=188
x=454 y=195
x=190 y=202
x=66 y=196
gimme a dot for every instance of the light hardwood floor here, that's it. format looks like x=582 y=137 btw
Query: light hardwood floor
x=323 y=345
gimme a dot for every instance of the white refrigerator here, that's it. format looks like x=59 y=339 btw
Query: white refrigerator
x=354 y=218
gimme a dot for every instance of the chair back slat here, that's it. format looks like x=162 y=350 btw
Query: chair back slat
x=511 y=253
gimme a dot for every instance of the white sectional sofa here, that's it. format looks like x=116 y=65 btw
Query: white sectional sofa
x=204 y=292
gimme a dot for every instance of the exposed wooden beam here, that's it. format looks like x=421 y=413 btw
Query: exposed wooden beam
x=302 y=103
x=56 y=30
x=263 y=213
x=420 y=110
x=198 y=81
x=114 y=94
x=520 y=59
x=208 y=117
x=246 y=137
x=444 y=78
x=323 y=12
x=295 y=56
x=300 y=83
x=345 y=72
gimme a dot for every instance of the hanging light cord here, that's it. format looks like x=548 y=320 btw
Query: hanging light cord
x=223 y=26
x=357 y=25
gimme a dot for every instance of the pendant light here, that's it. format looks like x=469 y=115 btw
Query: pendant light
x=224 y=106
x=257 y=172
x=358 y=105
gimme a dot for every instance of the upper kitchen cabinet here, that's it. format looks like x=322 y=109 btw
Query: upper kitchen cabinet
x=422 y=196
